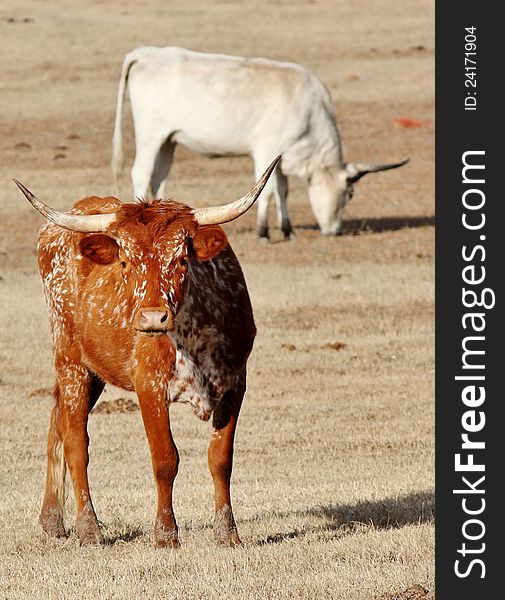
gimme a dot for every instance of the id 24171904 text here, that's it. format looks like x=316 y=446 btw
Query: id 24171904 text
x=471 y=68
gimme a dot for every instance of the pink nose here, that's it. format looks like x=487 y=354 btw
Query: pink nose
x=154 y=319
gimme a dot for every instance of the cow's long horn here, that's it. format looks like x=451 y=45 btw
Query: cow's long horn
x=357 y=170
x=80 y=223
x=214 y=215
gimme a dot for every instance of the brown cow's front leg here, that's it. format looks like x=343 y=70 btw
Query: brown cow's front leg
x=76 y=390
x=220 y=456
x=165 y=460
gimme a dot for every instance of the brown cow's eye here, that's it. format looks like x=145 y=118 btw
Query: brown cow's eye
x=183 y=262
x=123 y=264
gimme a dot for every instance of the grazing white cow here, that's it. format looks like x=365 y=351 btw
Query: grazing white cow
x=226 y=105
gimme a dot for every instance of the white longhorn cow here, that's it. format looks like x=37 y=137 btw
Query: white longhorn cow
x=226 y=105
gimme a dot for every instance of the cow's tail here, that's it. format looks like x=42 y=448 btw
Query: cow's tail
x=56 y=457
x=117 y=138
x=59 y=468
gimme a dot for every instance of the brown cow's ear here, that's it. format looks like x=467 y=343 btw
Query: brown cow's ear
x=208 y=241
x=100 y=249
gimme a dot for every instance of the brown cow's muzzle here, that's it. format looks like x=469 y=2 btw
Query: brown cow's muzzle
x=154 y=321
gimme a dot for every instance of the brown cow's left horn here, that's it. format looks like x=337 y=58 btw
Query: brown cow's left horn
x=80 y=223
x=214 y=215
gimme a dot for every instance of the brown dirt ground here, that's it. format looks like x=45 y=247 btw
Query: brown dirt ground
x=333 y=480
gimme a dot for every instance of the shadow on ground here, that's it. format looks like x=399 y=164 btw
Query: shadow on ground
x=358 y=226
x=342 y=519
x=379 y=224
x=128 y=535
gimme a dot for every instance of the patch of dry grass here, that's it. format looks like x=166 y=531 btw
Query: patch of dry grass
x=333 y=480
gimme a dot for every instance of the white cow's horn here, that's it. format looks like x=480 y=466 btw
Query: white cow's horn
x=80 y=223
x=357 y=170
x=214 y=215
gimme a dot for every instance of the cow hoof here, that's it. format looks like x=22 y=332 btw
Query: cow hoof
x=225 y=530
x=231 y=540
x=90 y=535
x=287 y=230
x=91 y=539
x=168 y=543
x=52 y=523
x=166 y=537
x=88 y=531
x=264 y=240
x=262 y=231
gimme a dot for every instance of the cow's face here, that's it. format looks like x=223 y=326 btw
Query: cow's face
x=329 y=192
x=154 y=265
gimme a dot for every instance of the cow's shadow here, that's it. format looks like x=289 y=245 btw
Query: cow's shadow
x=334 y=520
x=377 y=224
x=129 y=534
x=339 y=520
x=351 y=227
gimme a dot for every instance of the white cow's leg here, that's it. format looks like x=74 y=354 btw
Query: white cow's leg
x=263 y=200
x=162 y=164
x=147 y=150
x=280 y=189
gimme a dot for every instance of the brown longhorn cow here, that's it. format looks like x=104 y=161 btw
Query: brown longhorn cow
x=151 y=298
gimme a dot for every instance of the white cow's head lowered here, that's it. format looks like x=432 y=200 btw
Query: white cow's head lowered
x=331 y=188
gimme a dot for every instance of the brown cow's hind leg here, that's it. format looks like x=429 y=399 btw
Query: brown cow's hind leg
x=76 y=391
x=220 y=456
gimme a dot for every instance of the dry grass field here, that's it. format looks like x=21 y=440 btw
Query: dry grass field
x=333 y=478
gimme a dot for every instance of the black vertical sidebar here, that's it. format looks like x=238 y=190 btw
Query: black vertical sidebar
x=470 y=396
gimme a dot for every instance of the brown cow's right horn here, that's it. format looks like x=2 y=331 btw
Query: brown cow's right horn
x=214 y=215
x=79 y=223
